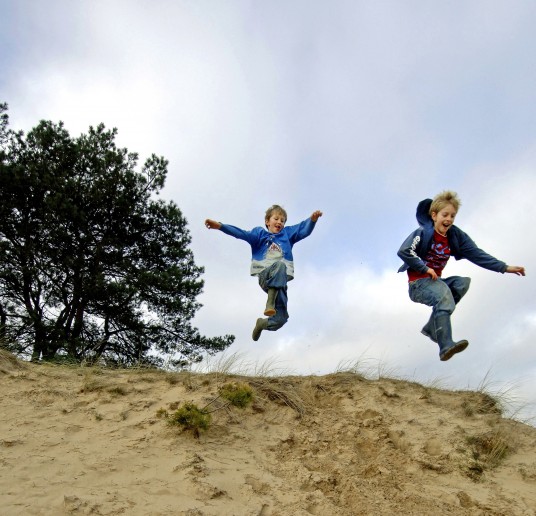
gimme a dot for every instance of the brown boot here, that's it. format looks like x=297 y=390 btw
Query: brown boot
x=261 y=324
x=270 y=303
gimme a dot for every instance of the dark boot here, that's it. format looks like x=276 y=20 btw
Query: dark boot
x=447 y=347
x=428 y=330
x=270 y=303
x=261 y=324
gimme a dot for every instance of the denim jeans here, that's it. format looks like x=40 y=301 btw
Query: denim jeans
x=442 y=294
x=275 y=276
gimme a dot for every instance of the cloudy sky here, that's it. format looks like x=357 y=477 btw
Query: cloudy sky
x=357 y=108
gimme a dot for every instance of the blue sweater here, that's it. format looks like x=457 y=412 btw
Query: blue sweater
x=417 y=244
x=261 y=241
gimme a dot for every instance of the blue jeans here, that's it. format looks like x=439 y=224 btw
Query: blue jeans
x=442 y=294
x=275 y=276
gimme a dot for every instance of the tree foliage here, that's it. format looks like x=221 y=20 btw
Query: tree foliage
x=92 y=264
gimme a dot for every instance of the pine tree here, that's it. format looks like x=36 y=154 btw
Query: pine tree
x=93 y=266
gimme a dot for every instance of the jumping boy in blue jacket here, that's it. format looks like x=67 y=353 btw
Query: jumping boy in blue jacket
x=271 y=260
x=425 y=253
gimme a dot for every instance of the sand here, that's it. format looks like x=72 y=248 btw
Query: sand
x=77 y=440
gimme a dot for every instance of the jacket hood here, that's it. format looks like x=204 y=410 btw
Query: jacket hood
x=423 y=212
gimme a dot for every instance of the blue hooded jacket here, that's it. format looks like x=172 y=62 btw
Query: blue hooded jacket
x=416 y=246
x=261 y=240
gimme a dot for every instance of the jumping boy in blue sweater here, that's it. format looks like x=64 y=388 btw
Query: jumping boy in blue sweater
x=425 y=253
x=271 y=260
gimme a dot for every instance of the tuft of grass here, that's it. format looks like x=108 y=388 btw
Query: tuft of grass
x=468 y=409
x=9 y=362
x=63 y=360
x=238 y=394
x=499 y=399
x=488 y=451
x=118 y=389
x=267 y=368
x=225 y=364
x=490 y=404
x=92 y=385
x=235 y=365
x=360 y=367
x=190 y=417
x=436 y=383
x=283 y=392
x=173 y=378
x=481 y=403
x=162 y=413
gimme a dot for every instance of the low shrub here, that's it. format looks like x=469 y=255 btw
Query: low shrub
x=190 y=417
x=237 y=394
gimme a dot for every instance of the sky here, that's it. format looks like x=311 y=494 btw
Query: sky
x=357 y=108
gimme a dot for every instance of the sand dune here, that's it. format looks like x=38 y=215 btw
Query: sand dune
x=95 y=441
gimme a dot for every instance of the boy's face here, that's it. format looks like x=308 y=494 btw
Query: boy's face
x=444 y=218
x=276 y=222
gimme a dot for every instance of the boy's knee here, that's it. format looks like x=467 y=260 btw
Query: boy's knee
x=460 y=288
x=466 y=283
x=459 y=282
x=275 y=325
x=277 y=321
x=279 y=267
x=276 y=276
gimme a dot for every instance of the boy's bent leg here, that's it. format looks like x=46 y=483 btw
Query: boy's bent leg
x=274 y=276
x=281 y=316
x=459 y=286
x=275 y=322
x=438 y=295
x=272 y=280
x=432 y=293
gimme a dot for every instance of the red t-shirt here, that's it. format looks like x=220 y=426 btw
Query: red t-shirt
x=436 y=258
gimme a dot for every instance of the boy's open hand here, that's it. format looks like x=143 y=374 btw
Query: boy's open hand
x=212 y=224
x=516 y=269
x=316 y=215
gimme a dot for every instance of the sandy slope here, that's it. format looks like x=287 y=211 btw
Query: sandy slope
x=90 y=441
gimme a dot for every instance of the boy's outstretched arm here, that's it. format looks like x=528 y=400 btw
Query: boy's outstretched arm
x=212 y=224
x=316 y=215
x=515 y=269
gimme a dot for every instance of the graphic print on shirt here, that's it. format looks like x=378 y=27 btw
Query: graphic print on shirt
x=438 y=255
x=274 y=252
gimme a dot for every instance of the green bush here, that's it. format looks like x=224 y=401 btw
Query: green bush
x=191 y=417
x=238 y=394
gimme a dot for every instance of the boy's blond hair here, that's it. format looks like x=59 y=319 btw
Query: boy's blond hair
x=444 y=198
x=275 y=209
